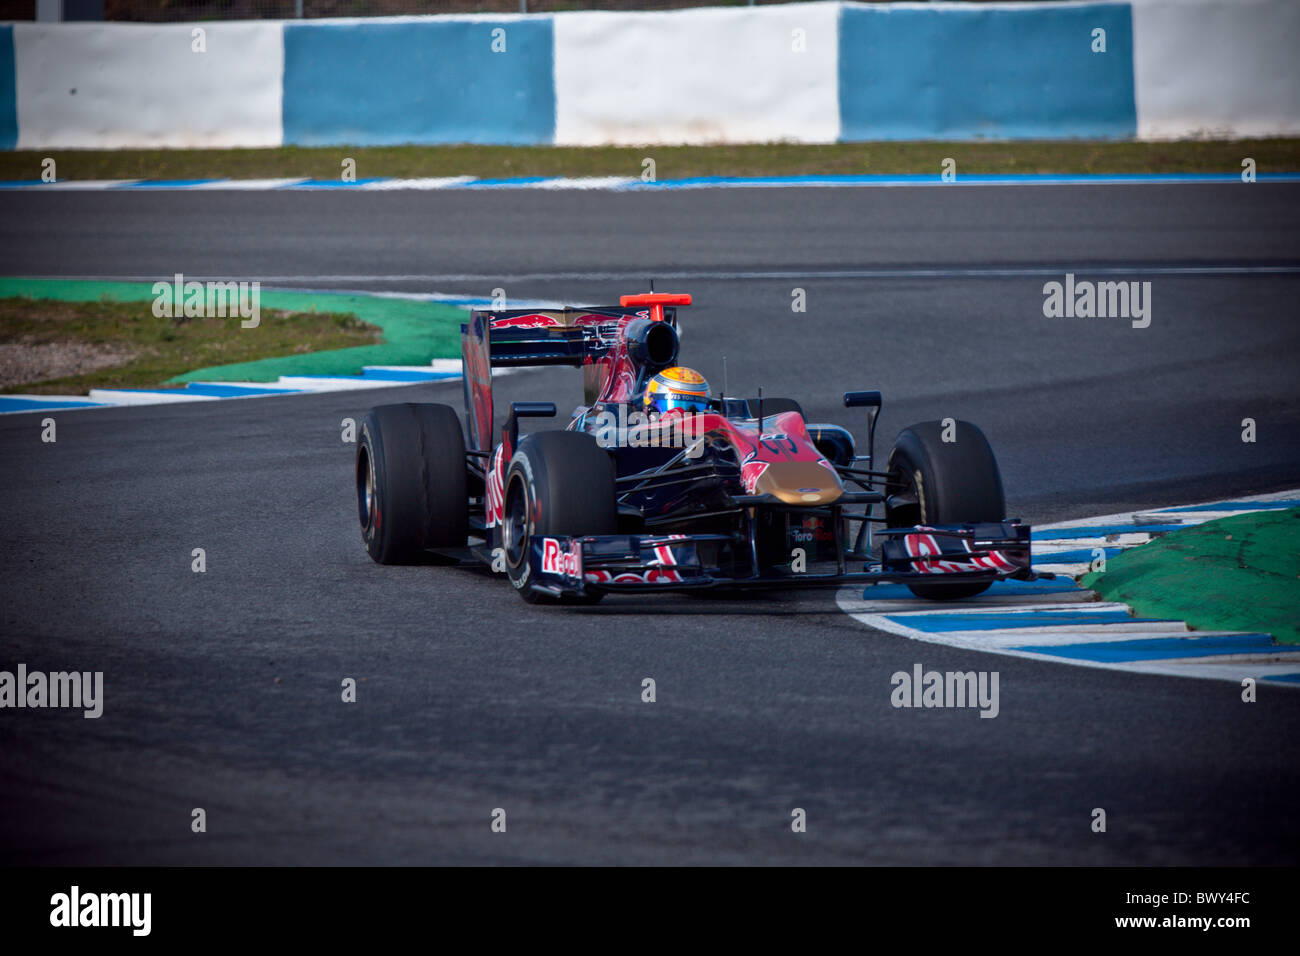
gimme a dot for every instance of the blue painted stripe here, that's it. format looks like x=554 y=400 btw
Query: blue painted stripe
x=1287 y=678
x=1101 y=531
x=8 y=91
x=956 y=73
x=1009 y=620
x=889 y=592
x=332 y=183
x=1080 y=556
x=1240 y=506
x=1164 y=648
x=235 y=391
x=391 y=375
x=504 y=183
x=10 y=404
x=380 y=83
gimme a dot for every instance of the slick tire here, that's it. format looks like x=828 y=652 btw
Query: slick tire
x=944 y=483
x=557 y=483
x=411 y=482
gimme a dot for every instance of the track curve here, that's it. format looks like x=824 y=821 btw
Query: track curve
x=222 y=688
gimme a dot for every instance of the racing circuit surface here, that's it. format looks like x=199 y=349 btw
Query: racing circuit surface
x=222 y=688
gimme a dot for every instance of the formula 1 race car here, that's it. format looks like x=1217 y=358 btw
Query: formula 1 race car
x=656 y=485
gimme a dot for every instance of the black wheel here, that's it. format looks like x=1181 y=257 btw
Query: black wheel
x=411 y=482
x=932 y=481
x=558 y=483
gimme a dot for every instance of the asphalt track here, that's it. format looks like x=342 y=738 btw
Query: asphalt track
x=222 y=688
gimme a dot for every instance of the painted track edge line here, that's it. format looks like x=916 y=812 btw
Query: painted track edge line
x=632 y=184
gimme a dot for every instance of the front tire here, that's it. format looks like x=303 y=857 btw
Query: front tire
x=411 y=482
x=933 y=481
x=558 y=483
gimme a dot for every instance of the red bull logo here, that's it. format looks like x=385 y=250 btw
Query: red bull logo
x=533 y=321
x=558 y=560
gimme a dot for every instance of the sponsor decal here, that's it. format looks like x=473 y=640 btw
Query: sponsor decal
x=660 y=570
x=494 y=499
x=534 y=321
x=653 y=576
x=779 y=443
x=623 y=388
x=750 y=472
x=924 y=543
x=812 y=529
x=921 y=545
x=559 y=560
x=663 y=555
x=996 y=561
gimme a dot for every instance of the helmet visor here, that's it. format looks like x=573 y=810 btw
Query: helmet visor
x=689 y=403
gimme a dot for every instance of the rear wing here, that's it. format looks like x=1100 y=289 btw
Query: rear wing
x=519 y=338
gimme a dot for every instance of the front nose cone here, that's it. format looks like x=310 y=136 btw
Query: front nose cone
x=800 y=483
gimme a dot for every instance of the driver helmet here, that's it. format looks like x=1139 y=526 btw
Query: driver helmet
x=677 y=387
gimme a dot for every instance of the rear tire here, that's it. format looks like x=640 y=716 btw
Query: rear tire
x=558 y=483
x=949 y=483
x=411 y=482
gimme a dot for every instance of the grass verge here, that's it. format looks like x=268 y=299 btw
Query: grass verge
x=671 y=162
x=110 y=344
x=413 y=331
x=1233 y=574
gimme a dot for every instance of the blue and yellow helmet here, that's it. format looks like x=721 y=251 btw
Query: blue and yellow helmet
x=677 y=387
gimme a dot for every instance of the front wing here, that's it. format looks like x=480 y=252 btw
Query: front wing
x=563 y=565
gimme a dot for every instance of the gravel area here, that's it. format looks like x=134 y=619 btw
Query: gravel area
x=26 y=363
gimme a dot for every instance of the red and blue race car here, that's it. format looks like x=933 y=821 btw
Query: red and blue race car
x=658 y=485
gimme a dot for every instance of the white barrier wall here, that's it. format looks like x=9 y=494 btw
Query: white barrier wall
x=818 y=72
x=720 y=75
x=1229 y=68
x=92 y=86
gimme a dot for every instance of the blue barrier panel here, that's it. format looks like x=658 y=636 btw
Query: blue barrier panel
x=8 y=91
x=999 y=74
x=423 y=82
